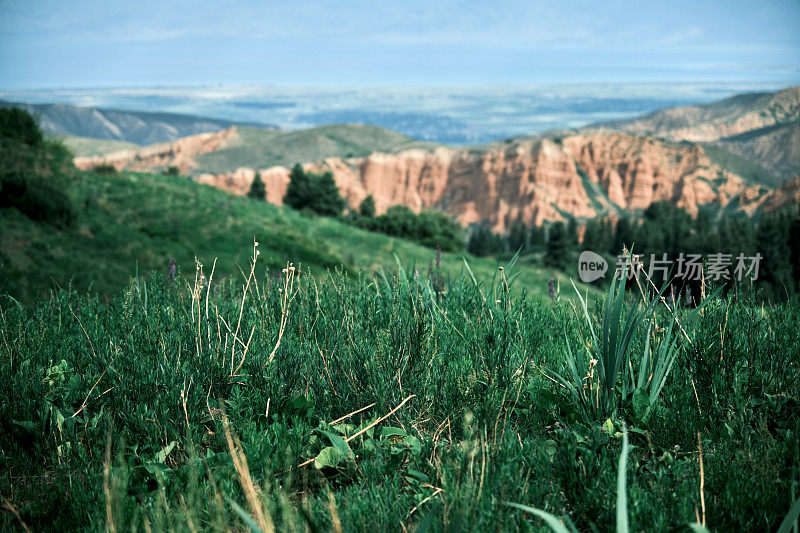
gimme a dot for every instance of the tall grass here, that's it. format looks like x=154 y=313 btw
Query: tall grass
x=399 y=401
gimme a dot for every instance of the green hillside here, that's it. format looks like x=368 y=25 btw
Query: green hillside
x=258 y=148
x=94 y=231
x=88 y=147
x=129 y=221
x=747 y=169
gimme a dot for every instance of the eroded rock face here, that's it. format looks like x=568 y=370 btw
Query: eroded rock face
x=784 y=196
x=532 y=180
x=528 y=180
x=180 y=153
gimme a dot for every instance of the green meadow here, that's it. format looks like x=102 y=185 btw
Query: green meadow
x=173 y=358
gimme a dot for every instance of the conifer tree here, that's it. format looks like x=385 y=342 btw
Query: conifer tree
x=558 y=245
x=367 y=207
x=518 y=237
x=258 y=191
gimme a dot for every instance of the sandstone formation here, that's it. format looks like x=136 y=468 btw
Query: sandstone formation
x=784 y=196
x=180 y=153
x=532 y=180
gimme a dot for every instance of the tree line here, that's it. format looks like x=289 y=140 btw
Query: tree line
x=318 y=194
x=660 y=229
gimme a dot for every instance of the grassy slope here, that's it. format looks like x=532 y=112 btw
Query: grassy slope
x=142 y=220
x=747 y=169
x=263 y=148
x=87 y=147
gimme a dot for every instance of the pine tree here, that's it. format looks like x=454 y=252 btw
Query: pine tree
x=623 y=235
x=326 y=199
x=592 y=237
x=572 y=231
x=481 y=242
x=317 y=192
x=258 y=191
x=776 y=271
x=518 y=237
x=367 y=207
x=558 y=245
x=536 y=237
x=299 y=192
x=794 y=247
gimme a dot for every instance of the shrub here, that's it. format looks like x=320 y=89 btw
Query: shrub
x=399 y=221
x=36 y=197
x=32 y=170
x=105 y=168
x=19 y=125
x=436 y=228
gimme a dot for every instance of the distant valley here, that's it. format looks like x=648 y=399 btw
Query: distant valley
x=448 y=115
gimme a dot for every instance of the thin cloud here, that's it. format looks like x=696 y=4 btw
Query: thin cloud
x=683 y=36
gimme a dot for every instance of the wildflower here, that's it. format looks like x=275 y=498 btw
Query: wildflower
x=172 y=270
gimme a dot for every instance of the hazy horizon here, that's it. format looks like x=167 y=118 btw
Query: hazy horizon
x=452 y=115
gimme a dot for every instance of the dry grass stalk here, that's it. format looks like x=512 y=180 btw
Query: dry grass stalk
x=251 y=492
x=13 y=510
x=702 y=480
x=107 y=485
x=287 y=295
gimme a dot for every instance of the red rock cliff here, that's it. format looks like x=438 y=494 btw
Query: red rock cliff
x=530 y=180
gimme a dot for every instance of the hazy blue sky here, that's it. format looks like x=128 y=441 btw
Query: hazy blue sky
x=63 y=43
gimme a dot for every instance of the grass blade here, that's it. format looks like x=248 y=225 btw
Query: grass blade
x=622 y=497
x=555 y=523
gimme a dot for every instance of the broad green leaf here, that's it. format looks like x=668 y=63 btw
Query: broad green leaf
x=339 y=443
x=329 y=457
x=162 y=455
x=26 y=424
x=390 y=432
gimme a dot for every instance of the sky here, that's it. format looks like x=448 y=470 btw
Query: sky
x=90 y=43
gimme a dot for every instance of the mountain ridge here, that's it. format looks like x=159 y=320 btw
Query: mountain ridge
x=137 y=127
x=715 y=120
